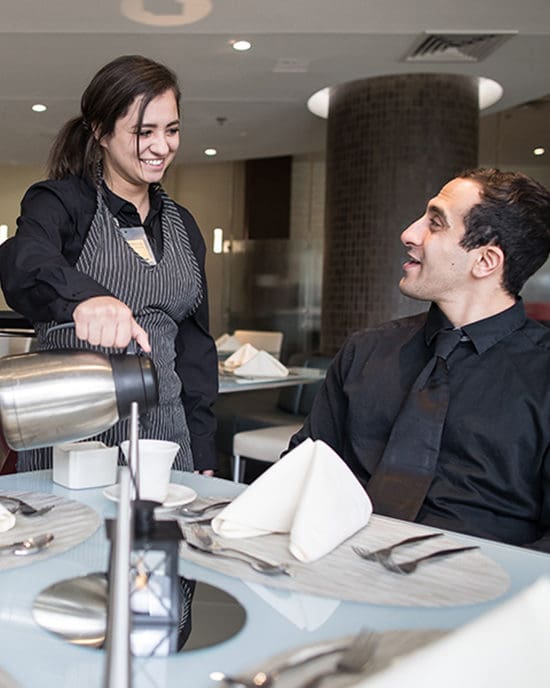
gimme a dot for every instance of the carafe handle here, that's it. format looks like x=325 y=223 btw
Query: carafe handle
x=133 y=348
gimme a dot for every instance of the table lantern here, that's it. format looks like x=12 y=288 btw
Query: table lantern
x=155 y=588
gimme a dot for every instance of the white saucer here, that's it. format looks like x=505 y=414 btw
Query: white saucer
x=177 y=495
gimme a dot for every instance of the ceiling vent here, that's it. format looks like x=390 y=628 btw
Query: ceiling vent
x=291 y=65
x=441 y=46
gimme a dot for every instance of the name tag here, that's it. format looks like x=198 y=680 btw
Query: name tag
x=138 y=242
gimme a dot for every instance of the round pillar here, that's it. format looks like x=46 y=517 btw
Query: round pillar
x=392 y=143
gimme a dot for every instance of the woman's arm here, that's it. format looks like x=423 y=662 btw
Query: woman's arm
x=37 y=267
x=37 y=270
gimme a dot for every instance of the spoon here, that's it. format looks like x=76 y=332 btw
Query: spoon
x=198 y=539
x=31 y=545
x=190 y=511
x=256 y=564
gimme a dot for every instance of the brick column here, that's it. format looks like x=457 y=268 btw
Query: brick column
x=392 y=143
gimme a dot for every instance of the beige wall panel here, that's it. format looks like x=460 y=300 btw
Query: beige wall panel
x=214 y=194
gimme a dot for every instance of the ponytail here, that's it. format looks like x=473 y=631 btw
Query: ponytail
x=74 y=151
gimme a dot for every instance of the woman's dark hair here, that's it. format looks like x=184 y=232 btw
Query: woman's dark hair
x=107 y=98
x=514 y=214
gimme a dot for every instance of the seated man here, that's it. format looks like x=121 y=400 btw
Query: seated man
x=470 y=253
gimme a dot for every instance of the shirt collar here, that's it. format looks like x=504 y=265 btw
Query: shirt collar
x=117 y=204
x=484 y=333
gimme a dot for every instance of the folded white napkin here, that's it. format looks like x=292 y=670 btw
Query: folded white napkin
x=243 y=354
x=262 y=365
x=308 y=612
x=507 y=647
x=7 y=519
x=310 y=493
x=226 y=343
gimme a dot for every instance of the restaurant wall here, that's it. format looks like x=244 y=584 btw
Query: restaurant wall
x=259 y=283
x=275 y=284
x=214 y=193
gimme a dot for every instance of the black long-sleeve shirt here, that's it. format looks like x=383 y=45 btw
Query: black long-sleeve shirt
x=493 y=472
x=40 y=281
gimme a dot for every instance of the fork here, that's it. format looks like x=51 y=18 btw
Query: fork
x=384 y=553
x=266 y=679
x=24 y=508
x=352 y=661
x=410 y=566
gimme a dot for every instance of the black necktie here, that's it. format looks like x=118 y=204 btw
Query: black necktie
x=404 y=474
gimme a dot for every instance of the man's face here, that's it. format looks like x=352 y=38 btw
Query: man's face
x=438 y=268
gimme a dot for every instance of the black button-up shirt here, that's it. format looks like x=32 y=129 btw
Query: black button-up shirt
x=40 y=281
x=493 y=472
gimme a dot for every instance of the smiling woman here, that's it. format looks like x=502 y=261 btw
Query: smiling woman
x=102 y=245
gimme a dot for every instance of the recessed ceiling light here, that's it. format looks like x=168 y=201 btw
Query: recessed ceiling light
x=489 y=92
x=538 y=151
x=241 y=46
x=38 y=107
x=210 y=151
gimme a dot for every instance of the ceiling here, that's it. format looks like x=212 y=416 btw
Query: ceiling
x=49 y=50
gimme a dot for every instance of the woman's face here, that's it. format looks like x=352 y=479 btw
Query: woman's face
x=158 y=139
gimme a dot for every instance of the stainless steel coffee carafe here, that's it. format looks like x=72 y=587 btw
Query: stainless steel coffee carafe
x=49 y=397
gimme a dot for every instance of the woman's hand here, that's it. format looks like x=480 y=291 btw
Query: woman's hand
x=106 y=321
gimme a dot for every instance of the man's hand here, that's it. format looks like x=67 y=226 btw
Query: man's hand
x=209 y=472
x=106 y=321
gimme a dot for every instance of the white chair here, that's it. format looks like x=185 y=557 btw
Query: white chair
x=265 y=340
x=263 y=444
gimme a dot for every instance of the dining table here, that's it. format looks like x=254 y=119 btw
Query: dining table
x=322 y=602
x=230 y=382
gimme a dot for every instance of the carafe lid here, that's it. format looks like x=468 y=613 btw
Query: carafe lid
x=135 y=379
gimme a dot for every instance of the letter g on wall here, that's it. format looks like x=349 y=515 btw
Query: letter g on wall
x=191 y=11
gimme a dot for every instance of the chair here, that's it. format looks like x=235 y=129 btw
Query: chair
x=265 y=444
x=271 y=342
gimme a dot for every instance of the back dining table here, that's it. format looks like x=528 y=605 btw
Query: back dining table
x=320 y=603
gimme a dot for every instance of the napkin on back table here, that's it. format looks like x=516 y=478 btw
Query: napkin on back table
x=243 y=354
x=310 y=493
x=247 y=361
x=227 y=343
x=262 y=365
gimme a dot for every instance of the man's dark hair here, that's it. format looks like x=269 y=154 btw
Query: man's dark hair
x=514 y=214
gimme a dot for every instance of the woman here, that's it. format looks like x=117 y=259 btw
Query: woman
x=102 y=245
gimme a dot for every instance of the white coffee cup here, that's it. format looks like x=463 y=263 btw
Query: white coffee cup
x=155 y=463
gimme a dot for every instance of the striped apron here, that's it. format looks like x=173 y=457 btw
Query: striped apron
x=160 y=296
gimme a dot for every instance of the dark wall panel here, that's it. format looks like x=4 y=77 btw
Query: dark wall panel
x=267 y=198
